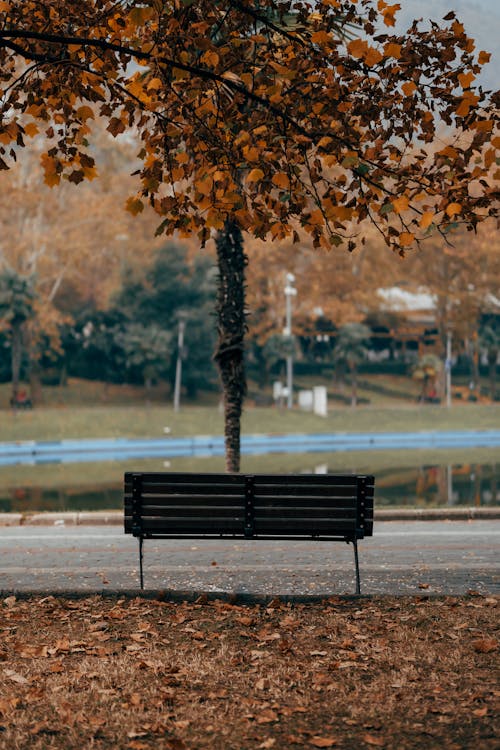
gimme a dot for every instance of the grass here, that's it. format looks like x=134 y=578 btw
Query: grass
x=51 y=423
x=404 y=673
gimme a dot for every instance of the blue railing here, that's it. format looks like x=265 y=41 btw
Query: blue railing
x=121 y=449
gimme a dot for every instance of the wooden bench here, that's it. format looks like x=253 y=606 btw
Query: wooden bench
x=249 y=506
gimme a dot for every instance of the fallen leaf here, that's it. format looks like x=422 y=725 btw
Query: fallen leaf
x=423 y=585
x=480 y=712
x=323 y=741
x=267 y=716
x=372 y=739
x=267 y=743
x=9 y=601
x=485 y=645
x=182 y=723
x=15 y=677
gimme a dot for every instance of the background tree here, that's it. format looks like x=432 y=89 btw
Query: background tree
x=489 y=339
x=71 y=243
x=178 y=281
x=351 y=349
x=146 y=351
x=329 y=133
x=17 y=299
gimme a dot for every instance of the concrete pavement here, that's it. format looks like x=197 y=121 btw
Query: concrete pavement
x=421 y=557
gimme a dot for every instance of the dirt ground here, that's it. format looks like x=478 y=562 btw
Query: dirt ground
x=104 y=672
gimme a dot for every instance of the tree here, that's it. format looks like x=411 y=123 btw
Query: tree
x=175 y=284
x=250 y=124
x=351 y=348
x=17 y=299
x=73 y=256
x=146 y=350
x=489 y=339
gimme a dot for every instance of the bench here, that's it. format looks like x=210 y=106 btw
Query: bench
x=168 y=505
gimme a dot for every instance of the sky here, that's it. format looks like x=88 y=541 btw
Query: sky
x=481 y=19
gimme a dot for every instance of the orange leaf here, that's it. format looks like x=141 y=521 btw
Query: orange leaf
x=427 y=219
x=31 y=129
x=85 y=113
x=52 y=177
x=406 y=239
x=373 y=56
x=281 y=180
x=449 y=151
x=392 y=50
x=320 y=37
x=484 y=126
x=134 y=206
x=316 y=218
x=408 y=88
x=255 y=175
x=466 y=79
x=453 y=208
x=155 y=84
x=389 y=12
x=484 y=57
x=357 y=48
x=210 y=58
x=400 y=204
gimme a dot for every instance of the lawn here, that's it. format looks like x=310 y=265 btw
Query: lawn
x=104 y=672
x=148 y=420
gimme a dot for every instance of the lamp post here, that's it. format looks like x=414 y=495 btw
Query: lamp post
x=290 y=292
x=178 y=366
x=448 y=368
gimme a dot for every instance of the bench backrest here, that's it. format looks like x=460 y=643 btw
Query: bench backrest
x=177 y=504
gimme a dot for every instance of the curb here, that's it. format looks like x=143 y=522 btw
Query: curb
x=115 y=518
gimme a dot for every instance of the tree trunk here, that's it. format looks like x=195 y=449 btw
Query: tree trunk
x=492 y=363
x=229 y=354
x=16 y=355
x=354 y=387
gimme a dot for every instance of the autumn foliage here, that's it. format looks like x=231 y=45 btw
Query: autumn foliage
x=262 y=111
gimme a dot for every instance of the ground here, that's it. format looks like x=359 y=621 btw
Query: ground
x=137 y=673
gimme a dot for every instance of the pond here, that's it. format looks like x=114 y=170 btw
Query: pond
x=416 y=485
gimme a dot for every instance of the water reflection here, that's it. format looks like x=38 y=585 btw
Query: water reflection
x=437 y=486
x=426 y=486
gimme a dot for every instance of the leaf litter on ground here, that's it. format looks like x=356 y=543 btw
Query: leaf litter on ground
x=136 y=673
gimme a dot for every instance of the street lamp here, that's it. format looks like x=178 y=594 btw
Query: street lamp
x=448 y=368
x=180 y=355
x=290 y=292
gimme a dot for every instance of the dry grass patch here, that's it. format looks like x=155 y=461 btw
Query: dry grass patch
x=139 y=674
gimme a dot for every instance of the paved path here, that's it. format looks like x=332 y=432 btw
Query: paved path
x=402 y=558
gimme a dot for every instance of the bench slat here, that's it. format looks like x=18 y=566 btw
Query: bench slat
x=276 y=527
x=206 y=490
x=187 y=500
x=281 y=512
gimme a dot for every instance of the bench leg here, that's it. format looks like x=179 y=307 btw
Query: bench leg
x=356 y=562
x=141 y=542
